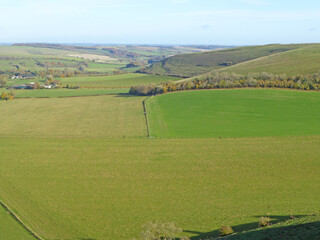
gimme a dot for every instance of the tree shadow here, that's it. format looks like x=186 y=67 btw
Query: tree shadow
x=238 y=228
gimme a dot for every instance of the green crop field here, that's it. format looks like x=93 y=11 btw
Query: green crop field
x=49 y=93
x=10 y=229
x=79 y=117
x=123 y=80
x=77 y=166
x=107 y=189
x=234 y=113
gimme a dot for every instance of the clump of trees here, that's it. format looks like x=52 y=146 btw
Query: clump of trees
x=216 y=80
x=8 y=95
x=160 y=231
x=3 y=81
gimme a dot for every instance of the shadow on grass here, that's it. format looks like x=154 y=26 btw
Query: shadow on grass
x=238 y=228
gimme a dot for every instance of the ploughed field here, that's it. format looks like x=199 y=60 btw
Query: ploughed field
x=83 y=168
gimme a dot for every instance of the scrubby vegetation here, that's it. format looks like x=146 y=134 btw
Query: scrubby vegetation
x=8 y=95
x=160 y=231
x=225 y=231
x=216 y=80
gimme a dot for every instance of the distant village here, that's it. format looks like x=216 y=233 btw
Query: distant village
x=50 y=83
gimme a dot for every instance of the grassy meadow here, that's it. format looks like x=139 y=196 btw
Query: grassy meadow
x=299 y=61
x=10 y=229
x=81 y=117
x=234 y=113
x=107 y=189
x=123 y=80
x=63 y=92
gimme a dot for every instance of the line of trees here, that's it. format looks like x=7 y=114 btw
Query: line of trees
x=216 y=80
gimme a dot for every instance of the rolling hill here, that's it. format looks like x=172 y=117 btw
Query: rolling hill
x=188 y=65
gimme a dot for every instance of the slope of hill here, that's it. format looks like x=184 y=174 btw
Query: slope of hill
x=188 y=65
x=303 y=60
x=299 y=229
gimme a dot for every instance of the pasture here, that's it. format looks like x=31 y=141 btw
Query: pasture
x=108 y=188
x=63 y=92
x=234 y=113
x=299 y=61
x=122 y=80
x=10 y=229
x=80 y=117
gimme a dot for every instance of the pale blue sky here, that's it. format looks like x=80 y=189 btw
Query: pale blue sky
x=224 y=22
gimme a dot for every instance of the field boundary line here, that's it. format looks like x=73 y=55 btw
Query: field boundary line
x=19 y=221
x=146 y=115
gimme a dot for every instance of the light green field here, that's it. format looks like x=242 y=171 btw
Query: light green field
x=234 y=113
x=10 y=229
x=83 y=168
x=107 y=189
x=299 y=61
x=123 y=80
x=53 y=93
x=83 y=117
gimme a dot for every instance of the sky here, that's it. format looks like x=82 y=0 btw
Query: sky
x=209 y=22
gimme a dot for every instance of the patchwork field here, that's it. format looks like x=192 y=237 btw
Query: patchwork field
x=123 y=80
x=107 y=189
x=85 y=117
x=83 y=167
x=234 y=113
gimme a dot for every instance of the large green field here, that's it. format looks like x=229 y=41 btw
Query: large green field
x=123 y=80
x=107 y=189
x=79 y=117
x=10 y=229
x=234 y=113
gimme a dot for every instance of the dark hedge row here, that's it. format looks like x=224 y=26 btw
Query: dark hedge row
x=216 y=80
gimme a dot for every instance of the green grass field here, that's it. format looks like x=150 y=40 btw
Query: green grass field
x=10 y=229
x=234 y=113
x=107 y=189
x=123 y=80
x=80 y=117
x=83 y=167
x=54 y=93
x=299 y=61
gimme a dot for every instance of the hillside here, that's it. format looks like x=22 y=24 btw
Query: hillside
x=303 y=60
x=188 y=65
x=299 y=229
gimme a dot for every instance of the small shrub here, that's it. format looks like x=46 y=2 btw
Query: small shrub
x=225 y=231
x=264 y=221
x=160 y=231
